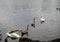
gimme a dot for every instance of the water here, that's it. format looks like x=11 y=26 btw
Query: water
x=16 y=14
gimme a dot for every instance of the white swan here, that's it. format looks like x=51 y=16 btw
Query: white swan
x=14 y=35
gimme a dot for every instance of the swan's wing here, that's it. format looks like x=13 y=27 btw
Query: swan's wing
x=9 y=35
x=16 y=35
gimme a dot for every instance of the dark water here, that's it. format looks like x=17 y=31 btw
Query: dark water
x=15 y=14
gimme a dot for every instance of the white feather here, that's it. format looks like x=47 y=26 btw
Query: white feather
x=42 y=18
x=14 y=35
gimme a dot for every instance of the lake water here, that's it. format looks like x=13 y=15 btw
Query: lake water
x=16 y=14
